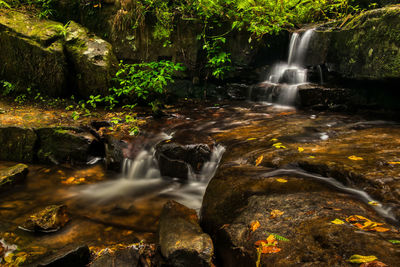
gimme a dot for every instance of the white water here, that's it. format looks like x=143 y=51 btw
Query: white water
x=141 y=179
x=293 y=73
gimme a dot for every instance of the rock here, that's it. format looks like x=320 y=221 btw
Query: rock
x=17 y=144
x=32 y=52
x=312 y=94
x=63 y=144
x=66 y=257
x=186 y=151
x=93 y=60
x=13 y=175
x=127 y=257
x=234 y=201
x=366 y=46
x=114 y=149
x=237 y=91
x=50 y=219
x=182 y=241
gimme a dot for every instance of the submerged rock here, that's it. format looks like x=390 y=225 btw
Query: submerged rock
x=13 y=175
x=240 y=212
x=50 y=219
x=182 y=241
x=186 y=151
x=66 y=257
x=17 y=144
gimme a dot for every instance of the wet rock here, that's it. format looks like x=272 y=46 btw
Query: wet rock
x=182 y=241
x=186 y=151
x=67 y=257
x=312 y=95
x=237 y=91
x=127 y=257
x=32 y=52
x=13 y=175
x=50 y=219
x=233 y=202
x=114 y=150
x=93 y=60
x=64 y=144
x=17 y=144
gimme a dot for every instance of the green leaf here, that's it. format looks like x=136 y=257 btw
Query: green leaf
x=393 y=241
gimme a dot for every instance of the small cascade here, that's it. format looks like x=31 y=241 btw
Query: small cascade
x=141 y=178
x=291 y=74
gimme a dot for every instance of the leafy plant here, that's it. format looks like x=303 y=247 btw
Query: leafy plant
x=4 y=4
x=7 y=87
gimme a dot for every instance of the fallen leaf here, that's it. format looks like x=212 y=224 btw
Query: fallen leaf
x=254 y=225
x=276 y=213
x=337 y=221
x=281 y=180
x=311 y=157
x=177 y=243
x=259 y=160
x=250 y=139
x=355 y=158
x=394 y=162
x=373 y=203
x=278 y=145
x=380 y=229
x=268 y=249
x=394 y=241
x=361 y=259
x=274 y=139
x=300 y=149
x=373 y=264
x=366 y=224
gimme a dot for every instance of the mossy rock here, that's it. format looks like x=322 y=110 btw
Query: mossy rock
x=32 y=52
x=13 y=175
x=93 y=61
x=50 y=219
x=17 y=144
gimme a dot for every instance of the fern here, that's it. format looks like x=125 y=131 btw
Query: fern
x=278 y=237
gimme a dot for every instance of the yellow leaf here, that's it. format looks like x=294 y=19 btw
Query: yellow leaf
x=252 y=138
x=177 y=243
x=380 y=229
x=355 y=158
x=281 y=180
x=167 y=141
x=337 y=221
x=394 y=162
x=278 y=145
x=311 y=157
x=276 y=213
x=373 y=203
x=274 y=139
x=361 y=259
x=259 y=160
x=300 y=149
x=254 y=225
x=108 y=229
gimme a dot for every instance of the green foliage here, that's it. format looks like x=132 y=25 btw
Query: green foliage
x=4 y=4
x=278 y=237
x=218 y=60
x=46 y=7
x=143 y=81
x=6 y=87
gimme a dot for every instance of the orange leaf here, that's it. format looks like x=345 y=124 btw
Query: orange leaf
x=380 y=229
x=259 y=160
x=267 y=249
x=260 y=243
x=373 y=264
x=276 y=213
x=254 y=225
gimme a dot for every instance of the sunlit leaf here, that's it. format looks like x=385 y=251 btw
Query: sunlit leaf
x=394 y=241
x=259 y=160
x=279 y=237
x=361 y=259
x=373 y=203
x=278 y=145
x=380 y=229
x=250 y=139
x=274 y=139
x=281 y=180
x=355 y=158
x=311 y=157
x=276 y=213
x=366 y=224
x=254 y=225
x=300 y=149
x=337 y=221
x=394 y=162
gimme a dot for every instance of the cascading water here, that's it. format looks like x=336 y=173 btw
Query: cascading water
x=291 y=74
x=141 y=178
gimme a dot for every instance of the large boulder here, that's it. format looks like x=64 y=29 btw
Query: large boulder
x=182 y=241
x=64 y=144
x=12 y=175
x=17 y=144
x=366 y=46
x=92 y=60
x=32 y=52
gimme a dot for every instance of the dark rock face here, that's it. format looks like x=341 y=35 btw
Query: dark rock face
x=299 y=210
x=59 y=145
x=128 y=257
x=17 y=144
x=50 y=219
x=114 y=153
x=182 y=241
x=186 y=151
x=13 y=175
x=68 y=257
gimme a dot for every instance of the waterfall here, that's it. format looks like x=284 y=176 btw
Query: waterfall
x=293 y=73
